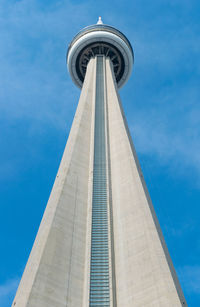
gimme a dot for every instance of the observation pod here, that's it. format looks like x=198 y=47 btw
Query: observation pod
x=95 y=40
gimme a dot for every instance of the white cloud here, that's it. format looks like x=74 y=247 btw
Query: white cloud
x=34 y=79
x=34 y=82
x=172 y=139
x=178 y=151
x=190 y=278
x=7 y=291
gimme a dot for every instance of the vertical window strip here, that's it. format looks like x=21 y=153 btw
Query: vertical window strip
x=99 y=265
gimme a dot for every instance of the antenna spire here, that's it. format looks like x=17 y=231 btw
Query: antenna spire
x=99 y=22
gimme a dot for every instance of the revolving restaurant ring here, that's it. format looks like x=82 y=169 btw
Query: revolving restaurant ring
x=100 y=40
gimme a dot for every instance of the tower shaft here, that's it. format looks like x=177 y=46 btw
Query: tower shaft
x=99 y=242
x=56 y=272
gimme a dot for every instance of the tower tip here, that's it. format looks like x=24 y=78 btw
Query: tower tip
x=99 y=22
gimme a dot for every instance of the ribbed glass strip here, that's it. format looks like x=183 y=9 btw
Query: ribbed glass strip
x=99 y=268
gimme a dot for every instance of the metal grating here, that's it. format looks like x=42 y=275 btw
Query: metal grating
x=99 y=268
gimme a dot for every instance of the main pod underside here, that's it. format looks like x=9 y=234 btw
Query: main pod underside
x=104 y=40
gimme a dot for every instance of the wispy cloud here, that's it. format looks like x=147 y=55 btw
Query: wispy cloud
x=34 y=82
x=180 y=229
x=163 y=96
x=165 y=119
x=172 y=139
x=190 y=278
x=161 y=101
x=7 y=291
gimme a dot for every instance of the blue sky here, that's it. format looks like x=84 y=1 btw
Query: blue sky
x=161 y=102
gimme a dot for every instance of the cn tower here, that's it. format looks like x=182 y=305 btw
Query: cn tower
x=99 y=242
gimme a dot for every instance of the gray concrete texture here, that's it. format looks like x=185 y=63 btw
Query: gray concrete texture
x=57 y=272
x=145 y=275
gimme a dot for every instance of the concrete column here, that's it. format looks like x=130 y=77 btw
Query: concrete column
x=145 y=275
x=55 y=272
